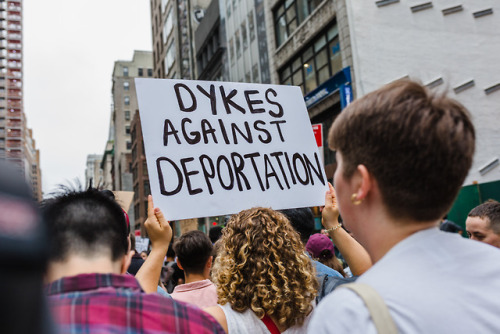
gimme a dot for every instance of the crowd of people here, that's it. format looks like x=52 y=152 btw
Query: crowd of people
x=381 y=264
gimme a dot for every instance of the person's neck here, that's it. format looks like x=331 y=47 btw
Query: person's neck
x=380 y=236
x=77 y=265
x=190 y=278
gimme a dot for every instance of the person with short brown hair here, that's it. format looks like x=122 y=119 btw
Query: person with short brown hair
x=402 y=156
x=194 y=256
x=483 y=223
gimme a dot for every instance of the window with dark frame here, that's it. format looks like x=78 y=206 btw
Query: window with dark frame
x=289 y=15
x=126 y=100
x=140 y=72
x=315 y=63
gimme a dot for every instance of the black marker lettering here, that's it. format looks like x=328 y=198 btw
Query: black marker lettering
x=268 y=135
x=223 y=130
x=187 y=175
x=179 y=98
x=196 y=135
x=316 y=171
x=211 y=96
x=290 y=168
x=208 y=175
x=161 y=179
x=227 y=100
x=167 y=132
x=296 y=157
x=251 y=102
x=267 y=162
x=277 y=156
x=248 y=136
x=230 y=172
x=238 y=170
x=252 y=159
x=280 y=108
x=207 y=129
x=279 y=128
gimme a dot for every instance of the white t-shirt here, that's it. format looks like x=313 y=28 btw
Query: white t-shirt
x=248 y=323
x=432 y=282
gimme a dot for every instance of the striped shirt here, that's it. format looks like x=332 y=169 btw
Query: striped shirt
x=110 y=303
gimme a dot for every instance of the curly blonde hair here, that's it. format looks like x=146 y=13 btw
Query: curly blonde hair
x=263 y=267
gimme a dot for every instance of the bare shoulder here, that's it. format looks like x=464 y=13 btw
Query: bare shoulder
x=218 y=314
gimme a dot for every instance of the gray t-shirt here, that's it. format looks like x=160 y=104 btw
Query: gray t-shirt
x=432 y=282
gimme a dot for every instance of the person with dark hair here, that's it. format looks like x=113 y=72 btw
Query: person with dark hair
x=136 y=261
x=89 y=255
x=483 y=223
x=302 y=221
x=24 y=247
x=402 y=155
x=449 y=226
x=194 y=256
x=215 y=233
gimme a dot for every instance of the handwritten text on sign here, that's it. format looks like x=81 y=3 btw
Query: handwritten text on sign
x=216 y=148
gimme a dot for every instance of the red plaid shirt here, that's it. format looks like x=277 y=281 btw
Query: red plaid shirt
x=109 y=303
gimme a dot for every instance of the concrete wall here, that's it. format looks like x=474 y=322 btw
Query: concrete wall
x=391 y=42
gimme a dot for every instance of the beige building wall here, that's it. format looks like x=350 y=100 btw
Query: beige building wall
x=124 y=106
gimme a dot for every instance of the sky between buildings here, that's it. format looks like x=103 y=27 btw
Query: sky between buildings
x=69 y=51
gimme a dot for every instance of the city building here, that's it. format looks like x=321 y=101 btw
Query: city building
x=245 y=26
x=140 y=174
x=16 y=140
x=173 y=24
x=93 y=172
x=210 y=45
x=124 y=105
x=448 y=46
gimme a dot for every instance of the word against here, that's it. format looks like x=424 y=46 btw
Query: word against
x=215 y=148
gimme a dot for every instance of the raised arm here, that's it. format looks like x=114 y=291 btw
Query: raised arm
x=355 y=255
x=160 y=234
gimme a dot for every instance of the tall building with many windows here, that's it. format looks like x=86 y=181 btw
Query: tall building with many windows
x=173 y=24
x=16 y=141
x=123 y=107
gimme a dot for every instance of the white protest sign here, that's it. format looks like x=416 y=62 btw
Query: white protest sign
x=141 y=244
x=216 y=148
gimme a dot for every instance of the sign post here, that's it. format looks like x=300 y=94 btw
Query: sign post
x=216 y=148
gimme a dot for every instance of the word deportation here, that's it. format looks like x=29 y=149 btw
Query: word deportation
x=235 y=169
x=210 y=131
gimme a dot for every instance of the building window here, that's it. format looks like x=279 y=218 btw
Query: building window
x=147 y=191
x=126 y=100
x=231 y=51
x=251 y=26
x=315 y=63
x=127 y=115
x=127 y=129
x=129 y=145
x=170 y=56
x=126 y=85
x=238 y=46
x=168 y=26
x=244 y=35
x=125 y=71
x=289 y=15
x=140 y=72
x=150 y=72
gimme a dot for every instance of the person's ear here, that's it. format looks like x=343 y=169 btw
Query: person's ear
x=209 y=263
x=365 y=182
x=179 y=264
x=125 y=263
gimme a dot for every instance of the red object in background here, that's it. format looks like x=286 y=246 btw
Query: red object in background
x=137 y=233
x=318 y=134
x=214 y=223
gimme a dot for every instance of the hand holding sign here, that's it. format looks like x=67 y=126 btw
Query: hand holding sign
x=159 y=230
x=216 y=148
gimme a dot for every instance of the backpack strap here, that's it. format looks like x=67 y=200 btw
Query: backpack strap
x=271 y=326
x=376 y=306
